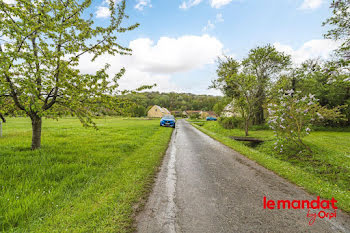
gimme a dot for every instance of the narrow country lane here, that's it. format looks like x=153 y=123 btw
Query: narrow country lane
x=204 y=186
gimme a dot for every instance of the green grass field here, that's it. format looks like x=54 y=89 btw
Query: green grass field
x=325 y=173
x=81 y=180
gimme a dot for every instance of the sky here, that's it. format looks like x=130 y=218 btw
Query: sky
x=178 y=41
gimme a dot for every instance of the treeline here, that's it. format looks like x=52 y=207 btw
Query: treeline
x=259 y=79
x=141 y=102
x=266 y=77
x=133 y=104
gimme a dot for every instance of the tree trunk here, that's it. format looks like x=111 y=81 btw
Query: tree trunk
x=2 y=118
x=259 y=114
x=246 y=128
x=36 y=132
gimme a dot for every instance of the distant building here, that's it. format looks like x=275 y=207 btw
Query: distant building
x=157 y=111
x=205 y=114
x=190 y=112
x=176 y=113
x=229 y=111
x=202 y=114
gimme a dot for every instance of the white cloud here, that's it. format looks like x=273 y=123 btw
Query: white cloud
x=213 y=3
x=322 y=48
x=115 y=1
x=210 y=26
x=141 y=4
x=172 y=55
x=103 y=9
x=311 y=4
x=219 y=18
x=156 y=62
x=103 y=12
x=190 y=3
x=219 y=3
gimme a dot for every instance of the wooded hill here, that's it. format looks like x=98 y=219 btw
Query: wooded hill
x=172 y=101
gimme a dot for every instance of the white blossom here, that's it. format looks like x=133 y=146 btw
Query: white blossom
x=319 y=115
x=330 y=81
x=290 y=92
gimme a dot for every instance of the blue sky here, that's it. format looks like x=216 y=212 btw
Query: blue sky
x=178 y=40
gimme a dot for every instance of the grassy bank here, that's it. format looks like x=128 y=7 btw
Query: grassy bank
x=81 y=180
x=325 y=173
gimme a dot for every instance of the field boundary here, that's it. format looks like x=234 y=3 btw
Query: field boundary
x=141 y=204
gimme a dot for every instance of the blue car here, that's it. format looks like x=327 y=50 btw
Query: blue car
x=168 y=120
x=210 y=118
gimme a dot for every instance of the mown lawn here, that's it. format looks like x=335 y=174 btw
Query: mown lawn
x=325 y=173
x=81 y=180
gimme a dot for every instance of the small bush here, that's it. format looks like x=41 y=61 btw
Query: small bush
x=195 y=116
x=231 y=122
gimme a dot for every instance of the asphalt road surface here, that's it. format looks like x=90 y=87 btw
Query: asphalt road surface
x=204 y=186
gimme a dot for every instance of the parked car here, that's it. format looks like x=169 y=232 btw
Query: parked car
x=210 y=118
x=168 y=121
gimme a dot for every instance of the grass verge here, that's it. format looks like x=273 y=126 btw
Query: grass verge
x=326 y=173
x=81 y=180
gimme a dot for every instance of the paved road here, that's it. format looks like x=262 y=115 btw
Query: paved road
x=204 y=186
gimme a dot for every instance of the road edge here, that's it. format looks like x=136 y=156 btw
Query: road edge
x=163 y=167
x=286 y=171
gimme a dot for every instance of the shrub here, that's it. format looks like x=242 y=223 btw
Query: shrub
x=293 y=116
x=195 y=116
x=231 y=122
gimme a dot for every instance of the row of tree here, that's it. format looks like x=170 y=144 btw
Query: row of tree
x=172 y=101
x=266 y=74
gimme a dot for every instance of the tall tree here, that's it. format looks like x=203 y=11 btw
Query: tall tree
x=44 y=40
x=265 y=63
x=227 y=66
x=340 y=20
x=2 y=104
x=246 y=98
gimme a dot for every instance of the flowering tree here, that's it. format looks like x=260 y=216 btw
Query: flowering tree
x=41 y=44
x=292 y=117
